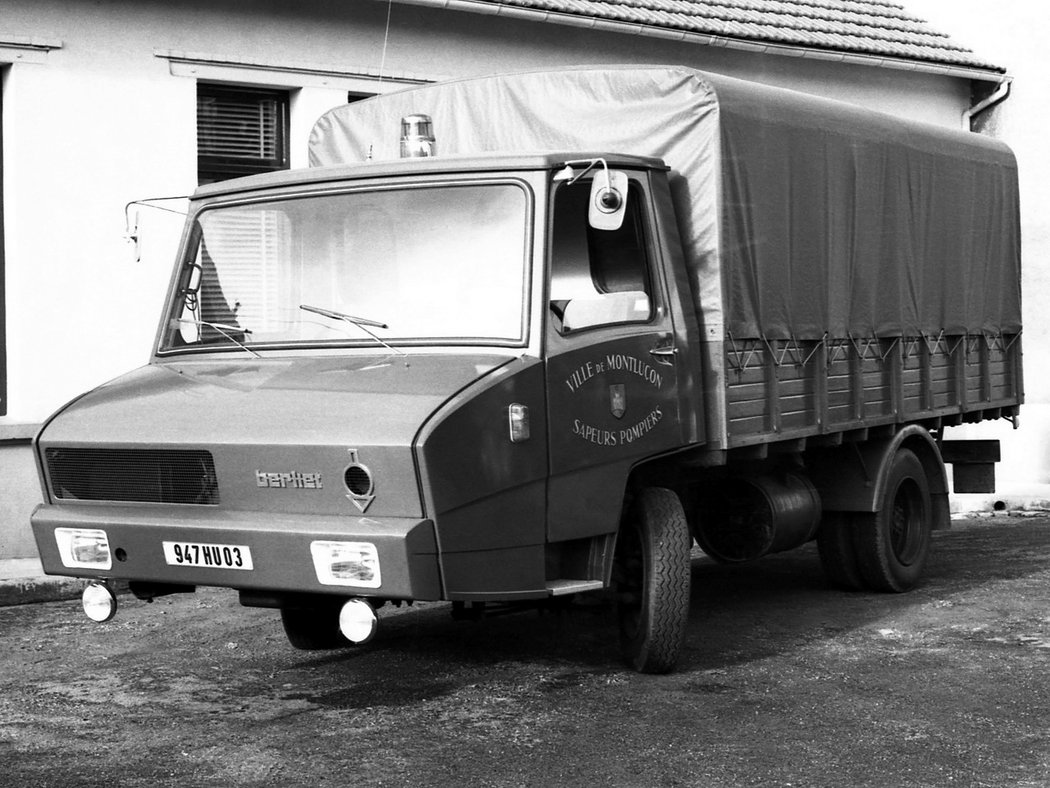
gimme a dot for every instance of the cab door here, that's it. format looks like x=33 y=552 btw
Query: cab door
x=612 y=382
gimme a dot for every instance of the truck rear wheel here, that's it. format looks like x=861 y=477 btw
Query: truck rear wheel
x=893 y=543
x=838 y=556
x=313 y=628
x=652 y=581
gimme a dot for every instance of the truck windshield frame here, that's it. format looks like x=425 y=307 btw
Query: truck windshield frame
x=440 y=263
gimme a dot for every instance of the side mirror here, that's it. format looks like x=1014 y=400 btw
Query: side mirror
x=608 y=200
x=188 y=325
x=193 y=280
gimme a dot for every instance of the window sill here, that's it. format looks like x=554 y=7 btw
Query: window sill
x=18 y=432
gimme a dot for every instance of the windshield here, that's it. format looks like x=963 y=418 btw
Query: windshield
x=421 y=265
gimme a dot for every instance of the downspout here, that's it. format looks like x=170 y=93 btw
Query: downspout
x=998 y=96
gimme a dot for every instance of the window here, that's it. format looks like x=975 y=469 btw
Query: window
x=598 y=277
x=240 y=131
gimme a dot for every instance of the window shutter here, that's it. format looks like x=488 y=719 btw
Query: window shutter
x=240 y=132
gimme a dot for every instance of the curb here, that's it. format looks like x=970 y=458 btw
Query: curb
x=28 y=590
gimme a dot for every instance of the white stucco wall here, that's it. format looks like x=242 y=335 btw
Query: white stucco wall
x=1014 y=33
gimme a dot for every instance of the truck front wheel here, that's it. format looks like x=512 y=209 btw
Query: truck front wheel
x=652 y=576
x=892 y=544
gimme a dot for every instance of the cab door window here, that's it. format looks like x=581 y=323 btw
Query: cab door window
x=598 y=277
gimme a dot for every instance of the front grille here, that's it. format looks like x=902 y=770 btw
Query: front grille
x=140 y=475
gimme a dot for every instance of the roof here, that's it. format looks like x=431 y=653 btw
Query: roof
x=879 y=29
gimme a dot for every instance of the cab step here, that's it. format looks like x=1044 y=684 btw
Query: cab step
x=565 y=587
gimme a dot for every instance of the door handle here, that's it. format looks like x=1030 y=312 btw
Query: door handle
x=664 y=354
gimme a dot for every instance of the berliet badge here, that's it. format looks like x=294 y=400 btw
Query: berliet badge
x=617 y=400
x=296 y=480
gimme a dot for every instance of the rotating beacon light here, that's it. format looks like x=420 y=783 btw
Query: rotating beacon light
x=417 y=137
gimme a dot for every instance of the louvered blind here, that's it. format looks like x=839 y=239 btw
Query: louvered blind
x=240 y=131
x=240 y=268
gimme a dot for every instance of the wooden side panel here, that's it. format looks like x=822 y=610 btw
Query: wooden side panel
x=785 y=389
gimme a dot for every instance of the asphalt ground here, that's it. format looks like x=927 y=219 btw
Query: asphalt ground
x=783 y=681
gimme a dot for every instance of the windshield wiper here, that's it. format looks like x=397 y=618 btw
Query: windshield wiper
x=361 y=322
x=223 y=329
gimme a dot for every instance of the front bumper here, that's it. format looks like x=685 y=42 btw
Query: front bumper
x=279 y=544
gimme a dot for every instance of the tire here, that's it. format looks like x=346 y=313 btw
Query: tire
x=893 y=543
x=313 y=629
x=838 y=557
x=652 y=577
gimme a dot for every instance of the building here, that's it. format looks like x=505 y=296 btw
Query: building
x=108 y=103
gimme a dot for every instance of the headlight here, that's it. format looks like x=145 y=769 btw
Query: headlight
x=83 y=548
x=346 y=563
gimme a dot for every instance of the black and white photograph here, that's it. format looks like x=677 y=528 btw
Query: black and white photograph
x=524 y=393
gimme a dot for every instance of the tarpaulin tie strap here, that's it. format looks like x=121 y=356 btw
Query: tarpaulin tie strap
x=822 y=342
x=1000 y=341
x=838 y=350
x=896 y=341
x=793 y=351
x=740 y=366
x=932 y=349
x=911 y=344
x=777 y=362
x=869 y=342
x=741 y=354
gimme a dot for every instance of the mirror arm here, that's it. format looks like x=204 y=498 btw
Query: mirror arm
x=591 y=164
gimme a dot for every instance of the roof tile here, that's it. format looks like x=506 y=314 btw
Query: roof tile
x=870 y=27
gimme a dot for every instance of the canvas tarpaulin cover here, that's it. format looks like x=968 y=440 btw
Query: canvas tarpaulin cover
x=800 y=217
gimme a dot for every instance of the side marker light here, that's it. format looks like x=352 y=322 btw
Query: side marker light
x=518 y=417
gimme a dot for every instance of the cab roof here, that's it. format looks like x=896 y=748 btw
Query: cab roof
x=403 y=168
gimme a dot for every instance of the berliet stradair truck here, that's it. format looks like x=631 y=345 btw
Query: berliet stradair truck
x=564 y=325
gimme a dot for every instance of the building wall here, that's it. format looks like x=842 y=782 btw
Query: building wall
x=1014 y=33
x=107 y=115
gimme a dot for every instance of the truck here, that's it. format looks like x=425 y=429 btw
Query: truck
x=512 y=339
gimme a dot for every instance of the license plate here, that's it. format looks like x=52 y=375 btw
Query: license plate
x=211 y=556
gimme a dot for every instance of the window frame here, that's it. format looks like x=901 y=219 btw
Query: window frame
x=637 y=196
x=165 y=346
x=215 y=167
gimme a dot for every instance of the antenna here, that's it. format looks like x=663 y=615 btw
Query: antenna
x=386 y=38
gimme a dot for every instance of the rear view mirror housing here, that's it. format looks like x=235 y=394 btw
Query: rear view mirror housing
x=608 y=203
